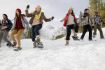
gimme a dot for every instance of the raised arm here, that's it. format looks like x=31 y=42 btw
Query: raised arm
x=47 y=19
x=27 y=12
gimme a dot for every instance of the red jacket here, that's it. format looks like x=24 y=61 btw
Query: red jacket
x=67 y=17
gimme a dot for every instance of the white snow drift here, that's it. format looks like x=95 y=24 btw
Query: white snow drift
x=79 y=55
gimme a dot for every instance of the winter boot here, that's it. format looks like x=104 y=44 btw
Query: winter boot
x=34 y=44
x=67 y=43
x=39 y=44
x=38 y=39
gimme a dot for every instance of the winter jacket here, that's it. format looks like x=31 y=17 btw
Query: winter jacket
x=87 y=21
x=97 y=20
x=19 y=24
x=8 y=25
x=67 y=17
x=24 y=21
x=32 y=15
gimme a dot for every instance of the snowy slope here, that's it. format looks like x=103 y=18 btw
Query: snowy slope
x=80 y=55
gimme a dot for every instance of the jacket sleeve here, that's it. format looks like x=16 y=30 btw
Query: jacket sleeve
x=91 y=21
x=46 y=19
x=83 y=21
x=9 y=26
x=28 y=14
x=26 y=23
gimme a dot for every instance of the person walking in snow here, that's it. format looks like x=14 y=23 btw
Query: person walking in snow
x=70 y=22
x=97 y=25
x=20 y=24
x=36 y=22
x=87 y=24
x=5 y=27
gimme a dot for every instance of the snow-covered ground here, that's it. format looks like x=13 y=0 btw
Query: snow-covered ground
x=79 y=55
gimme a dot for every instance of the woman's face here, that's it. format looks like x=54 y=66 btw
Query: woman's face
x=70 y=11
x=4 y=17
x=38 y=9
x=17 y=12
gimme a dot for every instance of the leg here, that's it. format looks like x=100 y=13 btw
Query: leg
x=95 y=30
x=90 y=32
x=18 y=37
x=5 y=37
x=84 y=32
x=101 y=32
x=38 y=27
x=1 y=36
x=68 y=30
x=33 y=33
x=13 y=32
x=75 y=35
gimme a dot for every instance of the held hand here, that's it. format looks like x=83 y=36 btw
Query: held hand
x=28 y=6
x=62 y=20
x=52 y=17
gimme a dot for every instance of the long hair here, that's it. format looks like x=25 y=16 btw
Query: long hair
x=71 y=13
x=16 y=15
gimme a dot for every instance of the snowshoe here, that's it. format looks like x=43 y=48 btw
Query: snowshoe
x=75 y=38
x=18 y=49
x=40 y=45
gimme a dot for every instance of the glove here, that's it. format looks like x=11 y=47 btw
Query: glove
x=52 y=17
x=28 y=6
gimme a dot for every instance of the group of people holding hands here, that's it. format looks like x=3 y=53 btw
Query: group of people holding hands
x=15 y=29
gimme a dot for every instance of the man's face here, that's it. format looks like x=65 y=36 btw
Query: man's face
x=87 y=11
